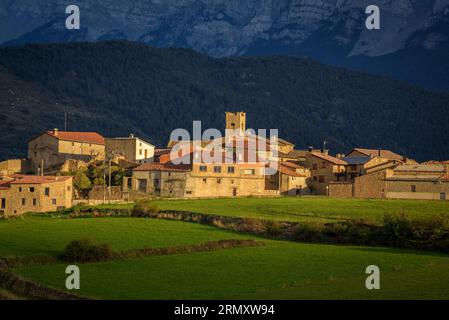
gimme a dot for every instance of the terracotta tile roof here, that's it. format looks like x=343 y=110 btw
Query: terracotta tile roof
x=387 y=154
x=285 y=142
x=292 y=165
x=87 y=137
x=329 y=158
x=445 y=177
x=290 y=172
x=164 y=167
x=5 y=185
x=39 y=179
x=427 y=168
x=436 y=162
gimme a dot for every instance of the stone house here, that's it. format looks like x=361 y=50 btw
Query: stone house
x=324 y=170
x=371 y=153
x=13 y=166
x=130 y=148
x=425 y=182
x=295 y=179
x=398 y=181
x=52 y=148
x=200 y=178
x=20 y=194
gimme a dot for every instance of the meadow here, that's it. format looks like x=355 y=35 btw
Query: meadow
x=277 y=270
x=308 y=208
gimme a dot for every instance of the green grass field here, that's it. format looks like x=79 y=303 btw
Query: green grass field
x=48 y=236
x=279 y=270
x=305 y=208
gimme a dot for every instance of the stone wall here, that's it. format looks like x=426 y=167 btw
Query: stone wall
x=370 y=185
x=341 y=189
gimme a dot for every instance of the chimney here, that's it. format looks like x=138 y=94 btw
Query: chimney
x=379 y=152
x=55 y=132
x=131 y=135
x=310 y=149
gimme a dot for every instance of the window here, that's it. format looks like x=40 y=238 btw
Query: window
x=323 y=164
x=413 y=188
x=20 y=189
x=34 y=202
x=314 y=166
x=203 y=168
x=156 y=183
x=140 y=152
x=73 y=144
x=47 y=192
x=23 y=201
x=353 y=167
x=188 y=192
x=218 y=181
x=204 y=180
x=442 y=196
x=3 y=203
x=217 y=169
x=314 y=178
x=321 y=179
x=249 y=171
x=32 y=189
x=69 y=188
x=231 y=170
x=53 y=201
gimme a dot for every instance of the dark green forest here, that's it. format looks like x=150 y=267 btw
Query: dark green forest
x=117 y=88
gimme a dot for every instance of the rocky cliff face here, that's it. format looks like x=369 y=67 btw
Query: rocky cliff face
x=244 y=27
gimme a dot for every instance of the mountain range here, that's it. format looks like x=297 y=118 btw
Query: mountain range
x=412 y=44
x=118 y=88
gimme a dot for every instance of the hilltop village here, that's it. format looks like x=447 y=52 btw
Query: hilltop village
x=64 y=168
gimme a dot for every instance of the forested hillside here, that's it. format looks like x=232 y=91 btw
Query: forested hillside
x=120 y=87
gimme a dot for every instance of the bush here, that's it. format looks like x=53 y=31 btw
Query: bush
x=144 y=208
x=85 y=250
x=309 y=232
x=428 y=233
x=273 y=228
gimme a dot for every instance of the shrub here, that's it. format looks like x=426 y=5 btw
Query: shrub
x=309 y=232
x=273 y=228
x=144 y=208
x=427 y=233
x=85 y=250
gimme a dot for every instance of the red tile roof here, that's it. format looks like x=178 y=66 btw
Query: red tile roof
x=5 y=185
x=86 y=137
x=329 y=158
x=290 y=172
x=445 y=178
x=387 y=154
x=164 y=167
x=39 y=179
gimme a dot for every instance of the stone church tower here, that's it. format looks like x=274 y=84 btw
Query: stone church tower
x=236 y=121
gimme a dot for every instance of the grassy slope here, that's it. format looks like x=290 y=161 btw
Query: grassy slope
x=307 y=208
x=281 y=270
x=48 y=236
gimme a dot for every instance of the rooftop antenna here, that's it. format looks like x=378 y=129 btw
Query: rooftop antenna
x=65 y=121
x=324 y=146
